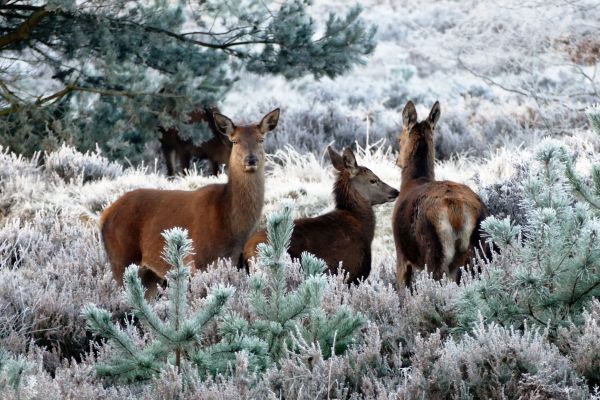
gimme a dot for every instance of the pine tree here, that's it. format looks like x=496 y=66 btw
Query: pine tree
x=590 y=195
x=172 y=340
x=548 y=270
x=283 y=313
x=11 y=372
x=284 y=316
x=110 y=72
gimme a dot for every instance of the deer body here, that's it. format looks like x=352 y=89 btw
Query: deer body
x=435 y=223
x=344 y=234
x=179 y=153
x=219 y=217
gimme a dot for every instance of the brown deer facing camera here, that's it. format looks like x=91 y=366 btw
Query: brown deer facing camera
x=435 y=223
x=344 y=234
x=179 y=153
x=219 y=217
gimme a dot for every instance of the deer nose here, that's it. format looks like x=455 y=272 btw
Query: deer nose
x=394 y=193
x=251 y=160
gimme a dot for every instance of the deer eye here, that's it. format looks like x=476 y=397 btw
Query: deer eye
x=373 y=181
x=261 y=140
x=235 y=141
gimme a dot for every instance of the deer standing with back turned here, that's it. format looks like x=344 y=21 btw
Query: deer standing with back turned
x=435 y=223
x=219 y=217
x=346 y=233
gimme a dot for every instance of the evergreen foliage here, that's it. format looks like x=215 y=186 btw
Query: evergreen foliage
x=11 y=372
x=593 y=114
x=110 y=72
x=52 y=263
x=179 y=336
x=548 y=270
x=281 y=312
x=283 y=316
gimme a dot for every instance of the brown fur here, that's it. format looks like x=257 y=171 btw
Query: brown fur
x=343 y=235
x=179 y=153
x=435 y=223
x=219 y=217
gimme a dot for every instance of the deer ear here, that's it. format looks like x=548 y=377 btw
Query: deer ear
x=336 y=160
x=409 y=115
x=434 y=115
x=223 y=124
x=350 y=162
x=269 y=121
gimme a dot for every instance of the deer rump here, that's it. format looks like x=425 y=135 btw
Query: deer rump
x=438 y=223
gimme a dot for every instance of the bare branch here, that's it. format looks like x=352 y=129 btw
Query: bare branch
x=22 y=31
x=74 y=88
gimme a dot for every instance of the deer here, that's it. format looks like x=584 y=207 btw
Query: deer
x=179 y=153
x=343 y=235
x=219 y=217
x=435 y=223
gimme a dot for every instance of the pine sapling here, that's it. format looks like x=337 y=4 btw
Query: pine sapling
x=11 y=372
x=180 y=336
x=549 y=269
x=282 y=312
x=589 y=193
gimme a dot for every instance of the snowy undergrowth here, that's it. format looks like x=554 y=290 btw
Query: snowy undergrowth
x=53 y=263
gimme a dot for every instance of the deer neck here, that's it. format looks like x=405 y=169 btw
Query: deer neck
x=349 y=199
x=245 y=195
x=420 y=166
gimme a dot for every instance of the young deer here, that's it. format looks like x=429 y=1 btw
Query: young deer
x=435 y=223
x=344 y=234
x=179 y=153
x=219 y=217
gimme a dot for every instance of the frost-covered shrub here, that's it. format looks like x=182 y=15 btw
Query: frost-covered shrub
x=71 y=164
x=505 y=199
x=48 y=274
x=174 y=339
x=548 y=269
x=582 y=344
x=307 y=375
x=429 y=308
x=17 y=241
x=593 y=114
x=15 y=164
x=493 y=363
x=11 y=372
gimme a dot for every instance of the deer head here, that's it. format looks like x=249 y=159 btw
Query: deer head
x=247 y=152
x=360 y=178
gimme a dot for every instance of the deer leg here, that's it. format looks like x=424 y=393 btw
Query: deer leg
x=403 y=270
x=169 y=155
x=461 y=260
x=214 y=167
x=185 y=160
x=150 y=281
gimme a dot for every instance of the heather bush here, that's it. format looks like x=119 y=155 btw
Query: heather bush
x=582 y=344
x=409 y=345
x=493 y=362
x=50 y=268
x=70 y=164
